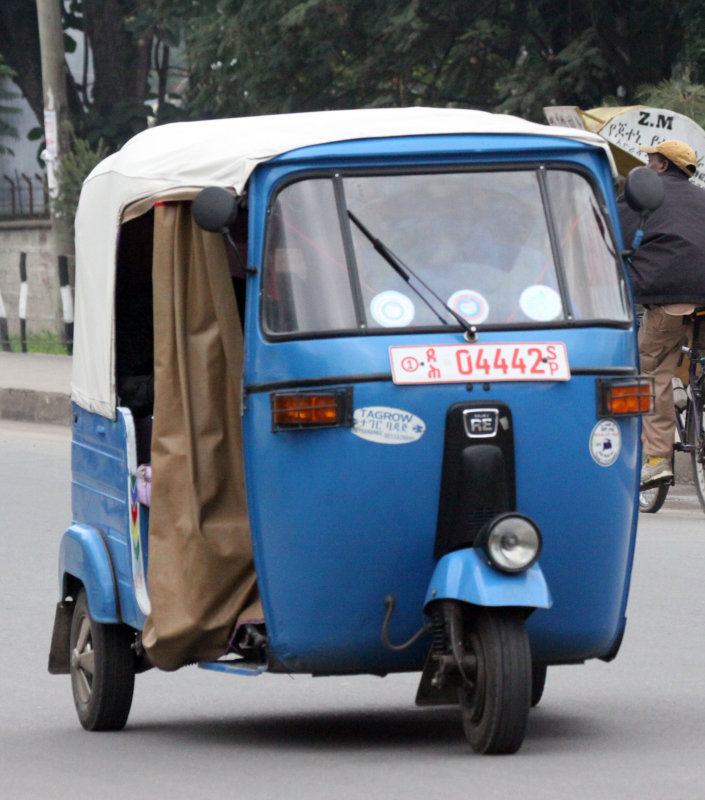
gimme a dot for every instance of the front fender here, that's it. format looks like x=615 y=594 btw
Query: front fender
x=464 y=575
x=84 y=555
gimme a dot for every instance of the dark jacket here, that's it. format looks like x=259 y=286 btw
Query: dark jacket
x=669 y=266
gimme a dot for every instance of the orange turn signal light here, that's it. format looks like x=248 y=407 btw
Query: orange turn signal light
x=319 y=409
x=625 y=397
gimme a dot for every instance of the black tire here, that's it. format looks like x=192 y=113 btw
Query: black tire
x=102 y=670
x=698 y=455
x=538 y=682
x=495 y=704
x=651 y=499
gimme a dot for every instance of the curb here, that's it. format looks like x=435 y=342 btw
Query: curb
x=27 y=405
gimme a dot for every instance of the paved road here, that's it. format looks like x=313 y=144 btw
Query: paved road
x=631 y=729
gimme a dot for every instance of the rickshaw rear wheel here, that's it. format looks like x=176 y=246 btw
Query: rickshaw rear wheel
x=496 y=698
x=102 y=670
x=538 y=682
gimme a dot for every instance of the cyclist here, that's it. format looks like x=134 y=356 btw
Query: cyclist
x=668 y=278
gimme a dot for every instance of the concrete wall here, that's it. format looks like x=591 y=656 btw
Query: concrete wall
x=32 y=237
x=26 y=230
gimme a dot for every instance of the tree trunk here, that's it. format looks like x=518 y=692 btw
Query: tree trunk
x=121 y=67
x=19 y=45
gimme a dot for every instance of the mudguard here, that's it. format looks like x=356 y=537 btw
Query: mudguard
x=464 y=575
x=84 y=555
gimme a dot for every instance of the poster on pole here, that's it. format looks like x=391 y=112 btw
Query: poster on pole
x=51 y=139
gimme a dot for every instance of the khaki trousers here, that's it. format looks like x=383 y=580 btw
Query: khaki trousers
x=661 y=337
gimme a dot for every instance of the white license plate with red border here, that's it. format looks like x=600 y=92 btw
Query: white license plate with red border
x=467 y=363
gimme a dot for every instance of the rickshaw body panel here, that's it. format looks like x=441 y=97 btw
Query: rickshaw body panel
x=100 y=493
x=382 y=534
x=466 y=576
x=339 y=523
x=83 y=556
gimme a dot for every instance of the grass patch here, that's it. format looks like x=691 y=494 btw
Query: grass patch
x=45 y=342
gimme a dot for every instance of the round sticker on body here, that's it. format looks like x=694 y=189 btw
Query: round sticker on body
x=392 y=309
x=384 y=425
x=605 y=442
x=470 y=304
x=541 y=303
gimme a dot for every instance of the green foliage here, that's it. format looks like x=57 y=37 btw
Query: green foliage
x=163 y=19
x=44 y=342
x=692 y=55
x=6 y=129
x=111 y=127
x=162 y=22
x=573 y=76
x=73 y=169
x=579 y=53
x=679 y=94
x=249 y=56
x=270 y=56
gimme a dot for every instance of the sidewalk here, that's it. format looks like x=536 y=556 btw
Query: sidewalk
x=35 y=387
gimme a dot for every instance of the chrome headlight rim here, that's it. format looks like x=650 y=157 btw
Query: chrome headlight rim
x=493 y=534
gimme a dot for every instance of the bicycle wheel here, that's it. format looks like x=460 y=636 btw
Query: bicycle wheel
x=698 y=454
x=651 y=499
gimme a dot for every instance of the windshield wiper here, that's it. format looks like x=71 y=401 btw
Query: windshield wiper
x=406 y=273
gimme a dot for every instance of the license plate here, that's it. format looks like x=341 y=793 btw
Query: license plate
x=468 y=363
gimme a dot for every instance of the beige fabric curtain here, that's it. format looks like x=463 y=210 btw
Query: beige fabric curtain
x=200 y=570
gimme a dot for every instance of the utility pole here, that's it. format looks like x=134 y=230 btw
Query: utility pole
x=51 y=43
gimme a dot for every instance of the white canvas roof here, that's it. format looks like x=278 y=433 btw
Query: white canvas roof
x=192 y=155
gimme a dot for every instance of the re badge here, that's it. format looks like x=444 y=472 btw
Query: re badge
x=481 y=423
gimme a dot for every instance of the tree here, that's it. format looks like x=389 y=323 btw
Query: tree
x=113 y=108
x=112 y=105
x=6 y=129
x=252 y=57
x=249 y=56
x=72 y=171
x=162 y=23
x=678 y=94
x=577 y=54
x=19 y=46
x=267 y=56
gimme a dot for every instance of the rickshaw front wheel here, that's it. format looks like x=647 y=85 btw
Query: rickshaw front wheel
x=495 y=699
x=102 y=670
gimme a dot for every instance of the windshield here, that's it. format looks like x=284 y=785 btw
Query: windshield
x=499 y=248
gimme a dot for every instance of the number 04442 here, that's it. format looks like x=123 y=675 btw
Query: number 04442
x=465 y=363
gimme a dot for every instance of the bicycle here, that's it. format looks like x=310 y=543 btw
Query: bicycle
x=689 y=406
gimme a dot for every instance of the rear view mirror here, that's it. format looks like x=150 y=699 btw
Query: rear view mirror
x=214 y=209
x=643 y=190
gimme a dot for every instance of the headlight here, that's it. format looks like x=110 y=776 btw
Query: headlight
x=512 y=542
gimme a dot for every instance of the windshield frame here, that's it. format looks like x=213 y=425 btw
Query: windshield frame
x=541 y=167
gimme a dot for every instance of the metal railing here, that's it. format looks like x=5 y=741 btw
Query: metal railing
x=23 y=196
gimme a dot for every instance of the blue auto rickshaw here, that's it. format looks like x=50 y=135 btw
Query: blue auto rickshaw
x=353 y=392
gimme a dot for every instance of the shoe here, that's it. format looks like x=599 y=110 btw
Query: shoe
x=660 y=472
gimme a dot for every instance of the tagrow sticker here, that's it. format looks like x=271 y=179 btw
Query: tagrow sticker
x=467 y=363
